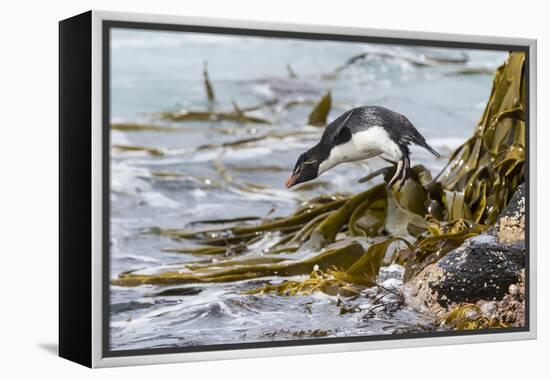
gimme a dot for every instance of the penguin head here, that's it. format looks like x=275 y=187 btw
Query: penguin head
x=306 y=168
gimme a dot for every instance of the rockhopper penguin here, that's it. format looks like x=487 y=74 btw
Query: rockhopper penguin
x=359 y=134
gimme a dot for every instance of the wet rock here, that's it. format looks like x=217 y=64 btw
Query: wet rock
x=510 y=226
x=516 y=206
x=419 y=294
x=482 y=268
x=511 y=309
x=486 y=270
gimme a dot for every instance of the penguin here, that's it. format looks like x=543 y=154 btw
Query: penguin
x=359 y=134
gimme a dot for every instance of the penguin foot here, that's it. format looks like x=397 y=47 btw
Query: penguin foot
x=397 y=173
x=401 y=173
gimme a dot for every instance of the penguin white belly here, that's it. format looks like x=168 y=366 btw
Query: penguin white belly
x=363 y=145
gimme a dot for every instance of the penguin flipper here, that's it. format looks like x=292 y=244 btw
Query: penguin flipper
x=335 y=129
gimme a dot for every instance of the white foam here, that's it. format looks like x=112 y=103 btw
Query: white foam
x=157 y=199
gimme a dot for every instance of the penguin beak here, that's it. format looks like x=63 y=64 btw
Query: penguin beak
x=289 y=183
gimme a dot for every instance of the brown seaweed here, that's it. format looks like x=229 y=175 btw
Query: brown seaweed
x=468 y=316
x=207 y=85
x=211 y=116
x=143 y=127
x=153 y=151
x=342 y=258
x=319 y=114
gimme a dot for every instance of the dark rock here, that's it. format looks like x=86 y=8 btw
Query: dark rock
x=487 y=267
x=516 y=206
x=481 y=268
x=177 y=291
x=510 y=225
x=512 y=307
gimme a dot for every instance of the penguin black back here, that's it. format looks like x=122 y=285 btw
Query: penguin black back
x=398 y=127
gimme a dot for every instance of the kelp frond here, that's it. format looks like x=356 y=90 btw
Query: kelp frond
x=337 y=280
x=317 y=281
x=143 y=127
x=247 y=268
x=153 y=151
x=211 y=116
x=319 y=114
x=209 y=89
x=468 y=316
x=484 y=172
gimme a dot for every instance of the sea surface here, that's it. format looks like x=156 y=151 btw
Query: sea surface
x=153 y=72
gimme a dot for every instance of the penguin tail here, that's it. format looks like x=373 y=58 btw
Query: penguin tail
x=415 y=137
x=434 y=152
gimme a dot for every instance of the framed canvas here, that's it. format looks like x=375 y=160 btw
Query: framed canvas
x=232 y=189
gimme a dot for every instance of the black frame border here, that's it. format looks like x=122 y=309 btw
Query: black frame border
x=107 y=25
x=75 y=189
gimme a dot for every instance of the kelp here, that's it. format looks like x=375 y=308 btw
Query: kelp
x=294 y=230
x=211 y=116
x=472 y=71
x=365 y=270
x=143 y=127
x=209 y=89
x=245 y=142
x=225 y=220
x=230 y=250
x=236 y=115
x=415 y=226
x=153 y=151
x=317 y=281
x=302 y=215
x=483 y=172
x=257 y=168
x=327 y=230
x=319 y=114
x=291 y=73
x=212 y=237
x=336 y=280
x=468 y=316
x=236 y=270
